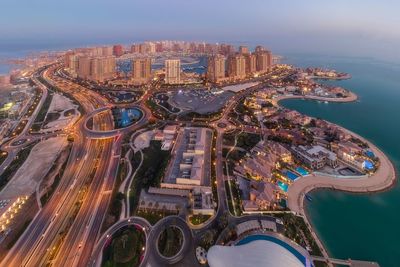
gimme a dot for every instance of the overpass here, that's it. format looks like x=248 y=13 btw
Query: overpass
x=97 y=253
x=99 y=134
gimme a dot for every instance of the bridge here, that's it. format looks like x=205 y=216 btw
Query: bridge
x=95 y=134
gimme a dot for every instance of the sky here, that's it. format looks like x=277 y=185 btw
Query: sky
x=365 y=28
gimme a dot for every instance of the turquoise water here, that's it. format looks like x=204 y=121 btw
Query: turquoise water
x=290 y=175
x=251 y=238
x=301 y=171
x=351 y=225
x=283 y=186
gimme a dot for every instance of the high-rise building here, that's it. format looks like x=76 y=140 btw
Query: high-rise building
x=226 y=49
x=216 y=68
x=251 y=63
x=141 y=71
x=118 y=50
x=107 y=51
x=143 y=48
x=264 y=60
x=151 y=47
x=84 y=67
x=244 y=50
x=135 y=48
x=159 y=47
x=259 y=48
x=236 y=66
x=96 y=68
x=71 y=62
x=172 y=71
x=176 y=47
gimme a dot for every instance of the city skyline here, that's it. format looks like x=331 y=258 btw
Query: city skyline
x=360 y=28
x=208 y=133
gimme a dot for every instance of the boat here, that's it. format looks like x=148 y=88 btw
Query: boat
x=308 y=197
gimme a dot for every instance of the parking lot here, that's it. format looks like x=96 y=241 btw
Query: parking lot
x=200 y=101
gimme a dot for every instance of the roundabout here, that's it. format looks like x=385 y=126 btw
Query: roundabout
x=170 y=242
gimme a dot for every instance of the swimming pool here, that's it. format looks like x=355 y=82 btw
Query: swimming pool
x=275 y=240
x=368 y=165
x=369 y=154
x=301 y=171
x=291 y=175
x=283 y=186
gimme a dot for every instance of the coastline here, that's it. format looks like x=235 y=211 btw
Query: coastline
x=351 y=98
x=326 y=78
x=382 y=180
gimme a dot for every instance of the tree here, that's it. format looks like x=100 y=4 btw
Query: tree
x=120 y=196
x=207 y=238
x=223 y=220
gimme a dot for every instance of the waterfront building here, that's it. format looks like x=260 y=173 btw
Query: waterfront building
x=172 y=71
x=141 y=70
x=244 y=50
x=118 y=50
x=216 y=68
x=315 y=157
x=251 y=63
x=236 y=67
x=265 y=248
x=264 y=60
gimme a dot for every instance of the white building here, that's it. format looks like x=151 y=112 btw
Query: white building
x=316 y=157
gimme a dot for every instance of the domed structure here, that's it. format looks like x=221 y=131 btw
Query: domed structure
x=259 y=250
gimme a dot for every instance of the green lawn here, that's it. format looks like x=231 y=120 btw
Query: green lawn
x=170 y=241
x=151 y=172
x=199 y=219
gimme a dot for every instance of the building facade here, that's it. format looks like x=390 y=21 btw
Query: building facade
x=236 y=67
x=172 y=71
x=216 y=68
x=141 y=72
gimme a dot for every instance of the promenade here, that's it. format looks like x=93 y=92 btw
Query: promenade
x=351 y=98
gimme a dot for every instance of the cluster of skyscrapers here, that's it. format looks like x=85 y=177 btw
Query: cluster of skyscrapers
x=225 y=64
x=238 y=65
x=97 y=64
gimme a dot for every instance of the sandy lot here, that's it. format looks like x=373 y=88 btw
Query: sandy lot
x=35 y=167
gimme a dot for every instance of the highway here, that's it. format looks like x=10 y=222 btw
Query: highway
x=65 y=231
x=13 y=151
x=36 y=244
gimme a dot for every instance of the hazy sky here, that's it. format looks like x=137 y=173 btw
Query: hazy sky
x=339 y=27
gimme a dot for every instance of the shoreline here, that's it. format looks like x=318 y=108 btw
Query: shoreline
x=351 y=98
x=327 y=78
x=382 y=180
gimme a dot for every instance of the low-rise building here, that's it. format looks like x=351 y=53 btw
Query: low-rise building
x=316 y=157
x=202 y=201
x=263 y=196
